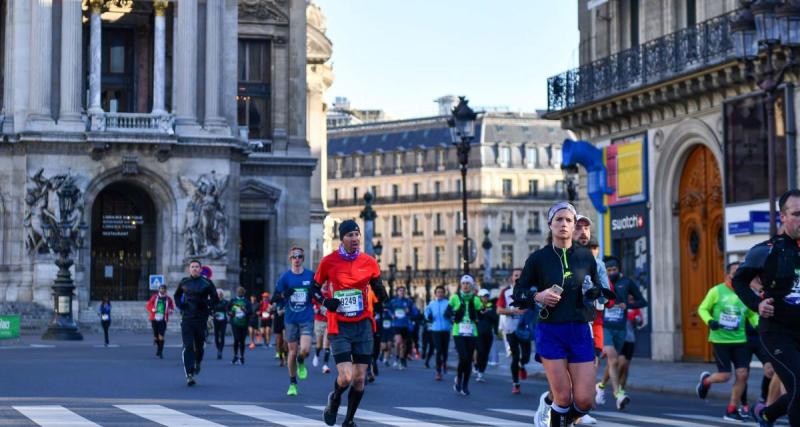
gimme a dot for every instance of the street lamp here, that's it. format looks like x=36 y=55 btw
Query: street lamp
x=368 y=215
x=764 y=28
x=62 y=235
x=378 y=251
x=392 y=278
x=462 y=131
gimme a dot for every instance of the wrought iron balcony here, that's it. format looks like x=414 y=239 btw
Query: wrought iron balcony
x=703 y=45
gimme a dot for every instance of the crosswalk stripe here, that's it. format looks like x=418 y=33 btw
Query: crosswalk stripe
x=54 y=416
x=644 y=419
x=465 y=416
x=167 y=417
x=532 y=414
x=382 y=418
x=264 y=414
x=704 y=418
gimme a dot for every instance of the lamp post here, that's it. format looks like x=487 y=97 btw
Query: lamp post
x=368 y=215
x=378 y=248
x=62 y=235
x=487 y=256
x=764 y=29
x=392 y=278
x=462 y=131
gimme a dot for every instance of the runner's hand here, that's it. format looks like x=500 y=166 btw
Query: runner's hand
x=331 y=303
x=288 y=292
x=548 y=298
x=713 y=324
x=766 y=308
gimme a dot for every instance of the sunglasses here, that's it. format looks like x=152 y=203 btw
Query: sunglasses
x=298 y=256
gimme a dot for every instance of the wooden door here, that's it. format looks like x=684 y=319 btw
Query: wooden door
x=701 y=245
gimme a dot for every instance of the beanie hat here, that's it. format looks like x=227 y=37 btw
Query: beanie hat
x=347 y=226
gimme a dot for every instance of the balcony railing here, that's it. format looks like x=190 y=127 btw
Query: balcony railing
x=133 y=123
x=433 y=197
x=705 y=44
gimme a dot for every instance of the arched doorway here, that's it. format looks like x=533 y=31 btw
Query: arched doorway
x=123 y=243
x=701 y=245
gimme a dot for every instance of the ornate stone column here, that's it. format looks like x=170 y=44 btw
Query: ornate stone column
x=159 y=56
x=185 y=40
x=6 y=114
x=71 y=54
x=41 y=41
x=213 y=120
x=95 y=58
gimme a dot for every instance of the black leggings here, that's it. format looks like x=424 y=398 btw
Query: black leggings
x=427 y=345
x=219 y=334
x=465 y=346
x=520 y=354
x=441 y=342
x=193 y=333
x=786 y=343
x=106 y=324
x=484 y=346
x=239 y=335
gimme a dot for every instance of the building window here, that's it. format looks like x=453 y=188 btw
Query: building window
x=359 y=161
x=335 y=196
x=437 y=188
x=506 y=222
x=441 y=156
x=416 y=259
x=398 y=163
x=507 y=256
x=505 y=156
x=458 y=187
x=339 y=167
x=397 y=226
x=355 y=195
x=556 y=159
x=533 y=187
x=533 y=248
x=416 y=229
x=458 y=222
x=374 y=190
x=254 y=111
x=691 y=13
x=395 y=192
x=533 y=222
x=438 y=230
x=532 y=157
x=378 y=164
x=634 y=17
x=561 y=188
x=420 y=161
x=376 y=232
x=416 y=191
x=396 y=256
x=438 y=257
x=459 y=256
x=117 y=64
x=507 y=187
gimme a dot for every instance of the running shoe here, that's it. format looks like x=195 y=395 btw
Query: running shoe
x=746 y=413
x=302 y=372
x=292 y=390
x=523 y=374
x=733 y=416
x=350 y=423
x=702 y=388
x=464 y=391
x=219 y=355
x=277 y=354
x=622 y=400
x=258 y=340
x=252 y=345
x=515 y=389
x=542 y=417
x=315 y=361
x=599 y=394
x=235 y=361
x=586 y=420
x=197 y=368
x=190 y=380
x=758 y=414
x=326 y=369
x=394 y=364
x=370 y=378
x=331 y=409
x=456 y=386
x=479 y=378
x=438 y=376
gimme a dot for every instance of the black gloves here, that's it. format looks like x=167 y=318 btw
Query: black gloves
x=376 y=285
x=523 y=300
x=331 y=304
x=596 y=292
x=713 y=324
x=288 y=292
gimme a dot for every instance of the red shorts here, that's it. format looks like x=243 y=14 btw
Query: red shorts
x=597 y=332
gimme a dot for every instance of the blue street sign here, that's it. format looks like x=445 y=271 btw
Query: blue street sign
x=759 y=221
x=741 y=227
x=156 y=280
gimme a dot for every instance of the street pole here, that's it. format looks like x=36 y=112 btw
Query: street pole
x=368 y=215
x=463 y=153
x=771 y=178
x=462 y=131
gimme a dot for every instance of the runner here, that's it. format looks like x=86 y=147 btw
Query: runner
x=278 y=312
x=239 y=310
x=351 y=275
x=195 y=294
x=615 y=320
x=520 y=348
x=441 y=328
x=104 y=313
x=464 y=307
x=387 y=336
x=321 y=334
x=401 y=309
x=428 y=349
x=220 y=322
x=487 y=329
x=295 y=285
x=160 y=307
x=563 y=279
x=253 y=320
x=265 y=317
x=754 y=347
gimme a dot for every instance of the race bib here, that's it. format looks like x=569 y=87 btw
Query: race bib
x=729 y=321
x=614 y=315
x=387 y=323
x=352 y=302
x=400 y=313
x=159 y=317
x=299 y=297
x=239 y=314
x=219 y=316
x=466 y=328
x=105 y=317
x=264 y=315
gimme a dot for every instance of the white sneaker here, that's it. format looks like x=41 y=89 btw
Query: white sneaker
x=599 y=395
x=622 y=400
x=586 y=420
x=542 y=417
x=479 y=378
x=315 y=361
x=325 y=369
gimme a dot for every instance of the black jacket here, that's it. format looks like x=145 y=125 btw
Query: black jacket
x=488 y=319
x=195 y=297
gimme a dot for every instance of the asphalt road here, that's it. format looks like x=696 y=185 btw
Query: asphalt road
x=86 y=384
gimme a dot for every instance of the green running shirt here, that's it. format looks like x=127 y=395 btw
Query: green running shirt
x=723 y=305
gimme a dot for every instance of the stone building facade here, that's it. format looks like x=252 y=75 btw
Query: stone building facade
x=659 y=82
x=184 y=124
x=412 y=170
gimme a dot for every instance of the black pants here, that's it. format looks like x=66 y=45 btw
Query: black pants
x=239 y=335
x=106 y=324
x=427 y=345
x=484 y=347
x=465 y=346
x=193 y=333
x=219 y=334
x=520 y=354
x=441 y=342
x=786 y=343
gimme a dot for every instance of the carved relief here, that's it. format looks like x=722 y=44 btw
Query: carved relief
x=205 y=222
x=42 y=210
x=264 y=10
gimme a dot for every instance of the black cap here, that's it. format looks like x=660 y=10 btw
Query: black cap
x=347 y=226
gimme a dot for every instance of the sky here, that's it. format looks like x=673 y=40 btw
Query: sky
x=401 y=55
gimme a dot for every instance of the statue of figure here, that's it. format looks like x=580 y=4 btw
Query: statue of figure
x=205 y=224
x=42 y=208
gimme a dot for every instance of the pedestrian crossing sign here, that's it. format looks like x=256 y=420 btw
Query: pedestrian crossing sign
x=156 y=280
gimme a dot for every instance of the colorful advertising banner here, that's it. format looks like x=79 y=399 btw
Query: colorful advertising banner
x=626 y=163
x=9 y=327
